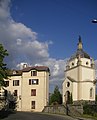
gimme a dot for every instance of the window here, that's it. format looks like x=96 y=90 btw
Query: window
x=33 y=73
x=87 y=63
x=15 y=93
x=5 y=93
x=67 y=84
x=33 y=92
x=72 y=64
x=6 y=83
x=30 y=82
x=91 y=92
x=33 y=81
x=15 y=82
x=14 y=72
x=32 y=104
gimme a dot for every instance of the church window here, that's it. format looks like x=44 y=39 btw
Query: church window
x=67 y=84
x=87 y=63
x=72 y=64
x=91 y=92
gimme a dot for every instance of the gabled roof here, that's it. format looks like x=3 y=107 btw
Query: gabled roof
x=38 y=68
x=15 y=72
x=27 y=69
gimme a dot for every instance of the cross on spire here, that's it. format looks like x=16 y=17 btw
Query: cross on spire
x=80 y=43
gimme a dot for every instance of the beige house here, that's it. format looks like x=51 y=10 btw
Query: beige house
x=79 y=77
x=30 y=86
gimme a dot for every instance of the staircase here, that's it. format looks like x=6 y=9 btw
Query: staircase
x=75 y=110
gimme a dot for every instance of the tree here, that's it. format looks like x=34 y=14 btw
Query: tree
x=3 y=69
x=71 y=99
x=56 y=97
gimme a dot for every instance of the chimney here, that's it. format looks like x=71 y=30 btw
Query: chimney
x=25 y=66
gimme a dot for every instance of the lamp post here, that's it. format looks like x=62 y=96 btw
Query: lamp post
x=94 y=21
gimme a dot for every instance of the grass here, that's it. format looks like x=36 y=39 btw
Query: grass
x=89 y=116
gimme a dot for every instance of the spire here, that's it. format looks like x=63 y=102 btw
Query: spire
x=80 y=43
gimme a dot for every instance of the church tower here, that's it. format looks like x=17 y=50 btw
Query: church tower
x=79 y=80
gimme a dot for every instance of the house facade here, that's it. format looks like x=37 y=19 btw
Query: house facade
x=30 y=87
x=79 y=80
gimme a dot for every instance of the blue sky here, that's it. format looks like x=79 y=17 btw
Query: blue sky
x=46 y=32
x=60 y=21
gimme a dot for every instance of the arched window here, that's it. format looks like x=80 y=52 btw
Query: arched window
x=67 y=84
x=91 y=92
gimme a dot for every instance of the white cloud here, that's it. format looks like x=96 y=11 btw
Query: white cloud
x=4 y=9
x=19 y=29
x=23 y=45
x=24 y=48
x=22 y=65
x=19 y=41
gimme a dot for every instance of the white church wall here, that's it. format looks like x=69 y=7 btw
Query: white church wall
x=73 y=63
x=87 y=74
x=86 y=62
x=74 y=92
x=86 y=91
x=73 y=73
x=67 y=88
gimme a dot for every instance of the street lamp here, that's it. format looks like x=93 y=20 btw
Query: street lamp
x=94 y=21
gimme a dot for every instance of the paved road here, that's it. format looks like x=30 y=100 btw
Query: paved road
x=36 y=116
x=39 y=116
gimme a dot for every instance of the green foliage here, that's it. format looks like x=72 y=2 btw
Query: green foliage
x=90 y=109
x=3 y=69
x=9 y=107
x=56 y=97
x=71 y=99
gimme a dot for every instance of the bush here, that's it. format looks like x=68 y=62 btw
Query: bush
x=90 y=109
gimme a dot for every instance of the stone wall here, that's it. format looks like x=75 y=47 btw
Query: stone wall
x=66 y=110
x=75 y=110
x=60 y=109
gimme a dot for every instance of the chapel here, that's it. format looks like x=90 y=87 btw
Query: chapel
x=80 y=82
